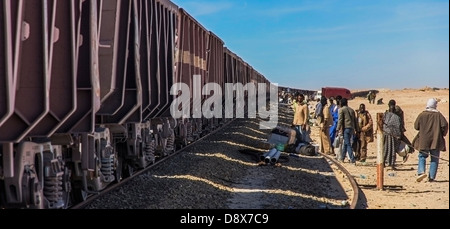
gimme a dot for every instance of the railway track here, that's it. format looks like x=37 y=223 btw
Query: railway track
x=238 y=182
x=349 y=177
x=139 y=172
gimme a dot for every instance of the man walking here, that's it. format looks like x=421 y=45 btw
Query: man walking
x=432 y=127
x=398 y=111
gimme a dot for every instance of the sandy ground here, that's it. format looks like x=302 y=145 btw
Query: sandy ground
x=400 y=189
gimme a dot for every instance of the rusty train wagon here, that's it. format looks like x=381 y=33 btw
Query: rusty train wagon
x=85 y=93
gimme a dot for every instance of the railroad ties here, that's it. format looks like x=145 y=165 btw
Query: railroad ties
x=224 y=171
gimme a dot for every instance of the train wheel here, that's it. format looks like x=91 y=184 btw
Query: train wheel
x=78 y=194
x=183 y=143
x=2 y=195
x=66 y=192
x=119 y=169
x=128 y=170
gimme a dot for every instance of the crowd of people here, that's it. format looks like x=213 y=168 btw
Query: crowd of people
x=344 y=132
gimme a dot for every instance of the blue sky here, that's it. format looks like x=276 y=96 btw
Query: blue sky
x=358 y=44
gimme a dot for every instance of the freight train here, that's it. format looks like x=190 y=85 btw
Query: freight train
x=85 y=93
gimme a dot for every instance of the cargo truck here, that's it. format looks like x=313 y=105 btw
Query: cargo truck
x=334 y=92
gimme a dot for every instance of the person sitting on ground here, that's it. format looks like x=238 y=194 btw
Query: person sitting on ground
x=380 y=101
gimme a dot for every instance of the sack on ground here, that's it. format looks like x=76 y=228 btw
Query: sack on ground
x=282 y=135
x=306 y=149
x=290 y=148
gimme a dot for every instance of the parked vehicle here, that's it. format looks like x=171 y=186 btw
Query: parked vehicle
x=335 y=91
x=317 y=95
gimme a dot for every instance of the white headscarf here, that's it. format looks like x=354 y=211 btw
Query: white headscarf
x=432 y=105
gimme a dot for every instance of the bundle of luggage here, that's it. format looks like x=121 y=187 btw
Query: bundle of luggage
x=287 y=137
x=282 y=135
x=302 y=149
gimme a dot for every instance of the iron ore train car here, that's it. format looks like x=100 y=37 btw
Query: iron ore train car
x=85 y=93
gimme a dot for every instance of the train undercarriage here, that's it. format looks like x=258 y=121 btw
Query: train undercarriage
x=63 y=170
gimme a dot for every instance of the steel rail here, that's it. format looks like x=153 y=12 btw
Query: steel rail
x=350 y=178
x=112 y=187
